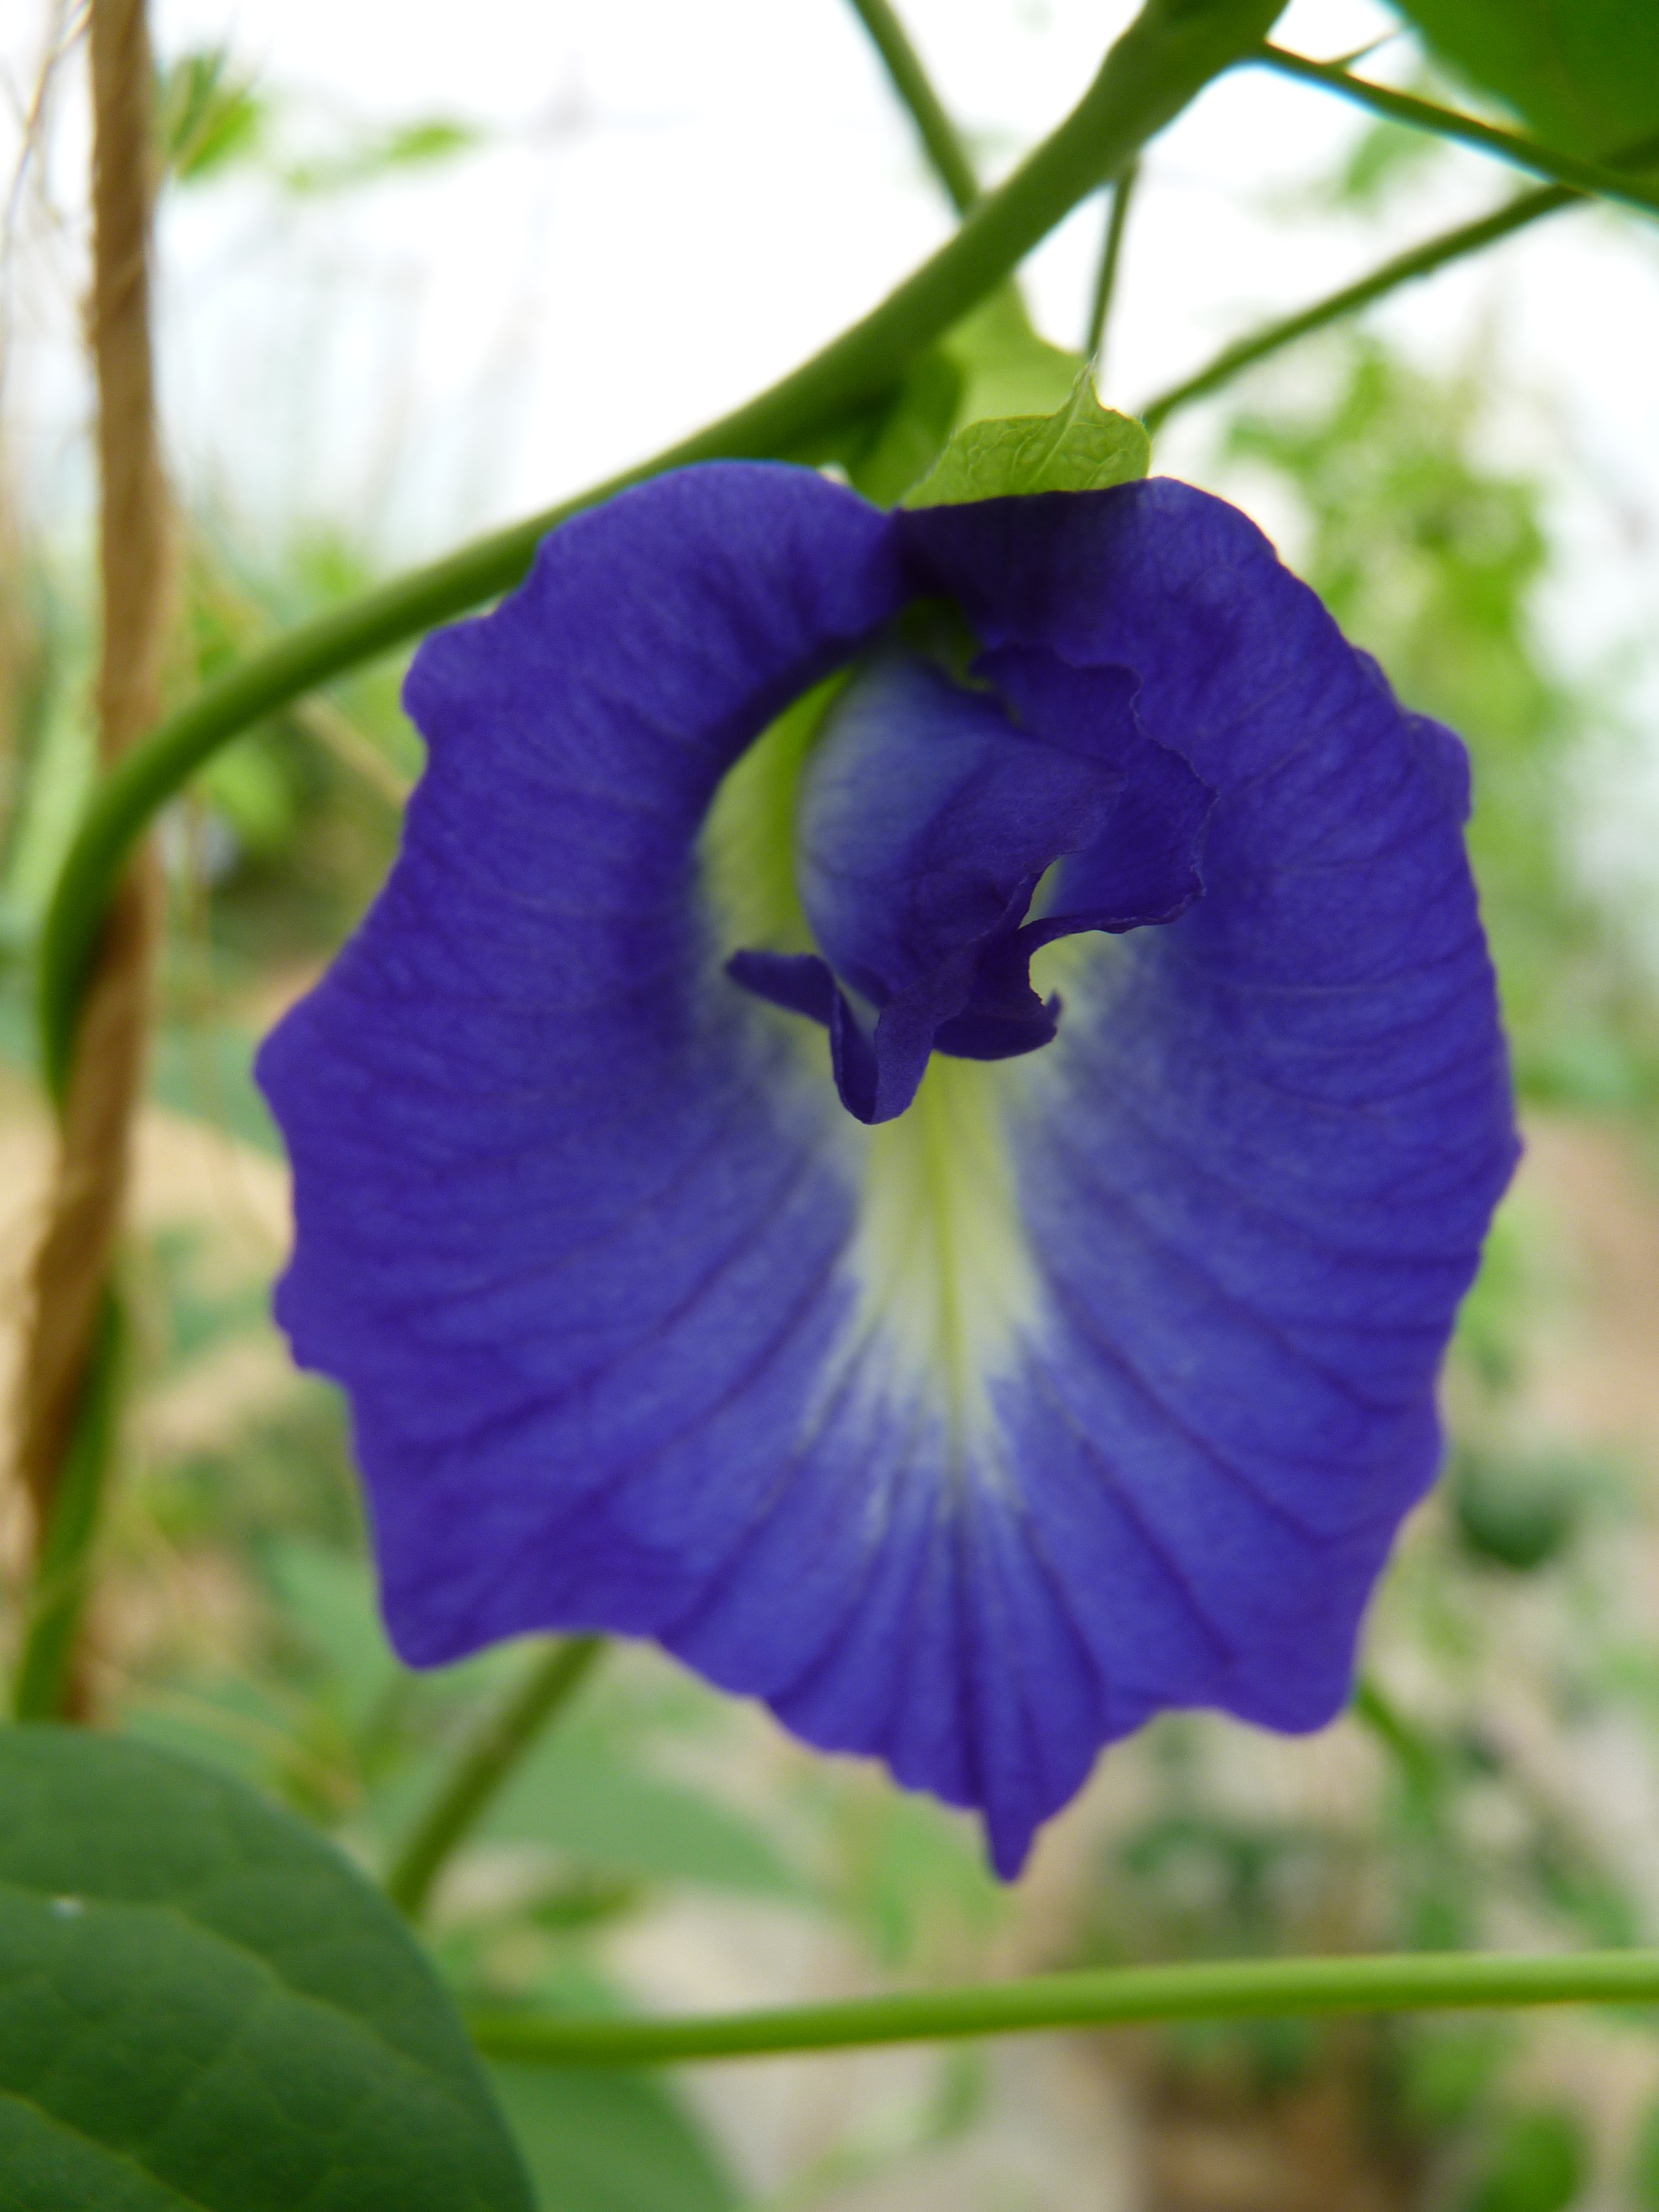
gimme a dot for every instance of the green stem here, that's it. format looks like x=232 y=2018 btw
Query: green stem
x=1122 y=191
x=1233 y=1988
x=1421 y=261
x=484 y=1763
x=940 y=139
x=1168 y=55
x=43 y=1684
x=1405 y=268
x=1373 y=1709
x=1423 y=115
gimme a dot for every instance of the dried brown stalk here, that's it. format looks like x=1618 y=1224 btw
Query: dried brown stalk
x=72 y=1264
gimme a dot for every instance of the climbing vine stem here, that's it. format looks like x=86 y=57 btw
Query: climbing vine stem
x=1231 y=1989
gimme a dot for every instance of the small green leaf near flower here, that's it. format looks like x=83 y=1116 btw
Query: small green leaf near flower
x=1083 y=448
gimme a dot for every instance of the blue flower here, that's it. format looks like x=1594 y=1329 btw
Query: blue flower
x=1071 y=1354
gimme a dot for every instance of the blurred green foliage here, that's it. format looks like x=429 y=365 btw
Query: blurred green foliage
x=599 y=2142
x=1518 y=1512
x=212 y=117
x=208 y=115
x=1644 y=2163
x=1538 y=2163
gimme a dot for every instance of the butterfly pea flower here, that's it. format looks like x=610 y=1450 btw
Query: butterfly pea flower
x=910 y=1121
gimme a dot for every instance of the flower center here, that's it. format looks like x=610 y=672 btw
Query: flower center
x=924 y=815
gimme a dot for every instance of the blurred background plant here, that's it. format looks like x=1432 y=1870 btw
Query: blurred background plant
x=1498 y=1779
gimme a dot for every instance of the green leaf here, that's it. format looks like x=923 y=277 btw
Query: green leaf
x=328 y=1598
x=1644 y=2163
x=1539 y=2164
x=1084 y=448
x=574 y=1793
x=991 y=363
x=1583 y=73
x=907 y=437
x=206 y=117
x=410 y=145
x=1006 y=368
x=204 y=2009
x=596 y=2140
x=433 y=139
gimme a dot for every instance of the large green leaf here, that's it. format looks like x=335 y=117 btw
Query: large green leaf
x=1583 y=73
x=601 y=2142
x=203 y=2008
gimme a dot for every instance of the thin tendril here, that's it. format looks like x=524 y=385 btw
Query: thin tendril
x=1121 y=194
x=1422 y=260
x=484 y=1763
x=940 y=139
x=1405 y=268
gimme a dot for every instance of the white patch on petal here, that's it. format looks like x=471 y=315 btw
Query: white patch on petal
x=947 y=1284
x=948 y=1290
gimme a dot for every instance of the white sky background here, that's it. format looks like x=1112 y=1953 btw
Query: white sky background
x=678 y=204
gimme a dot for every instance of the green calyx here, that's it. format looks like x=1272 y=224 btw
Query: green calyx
x=1084 y=446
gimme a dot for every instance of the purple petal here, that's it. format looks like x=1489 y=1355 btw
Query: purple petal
x=1095 y=1383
